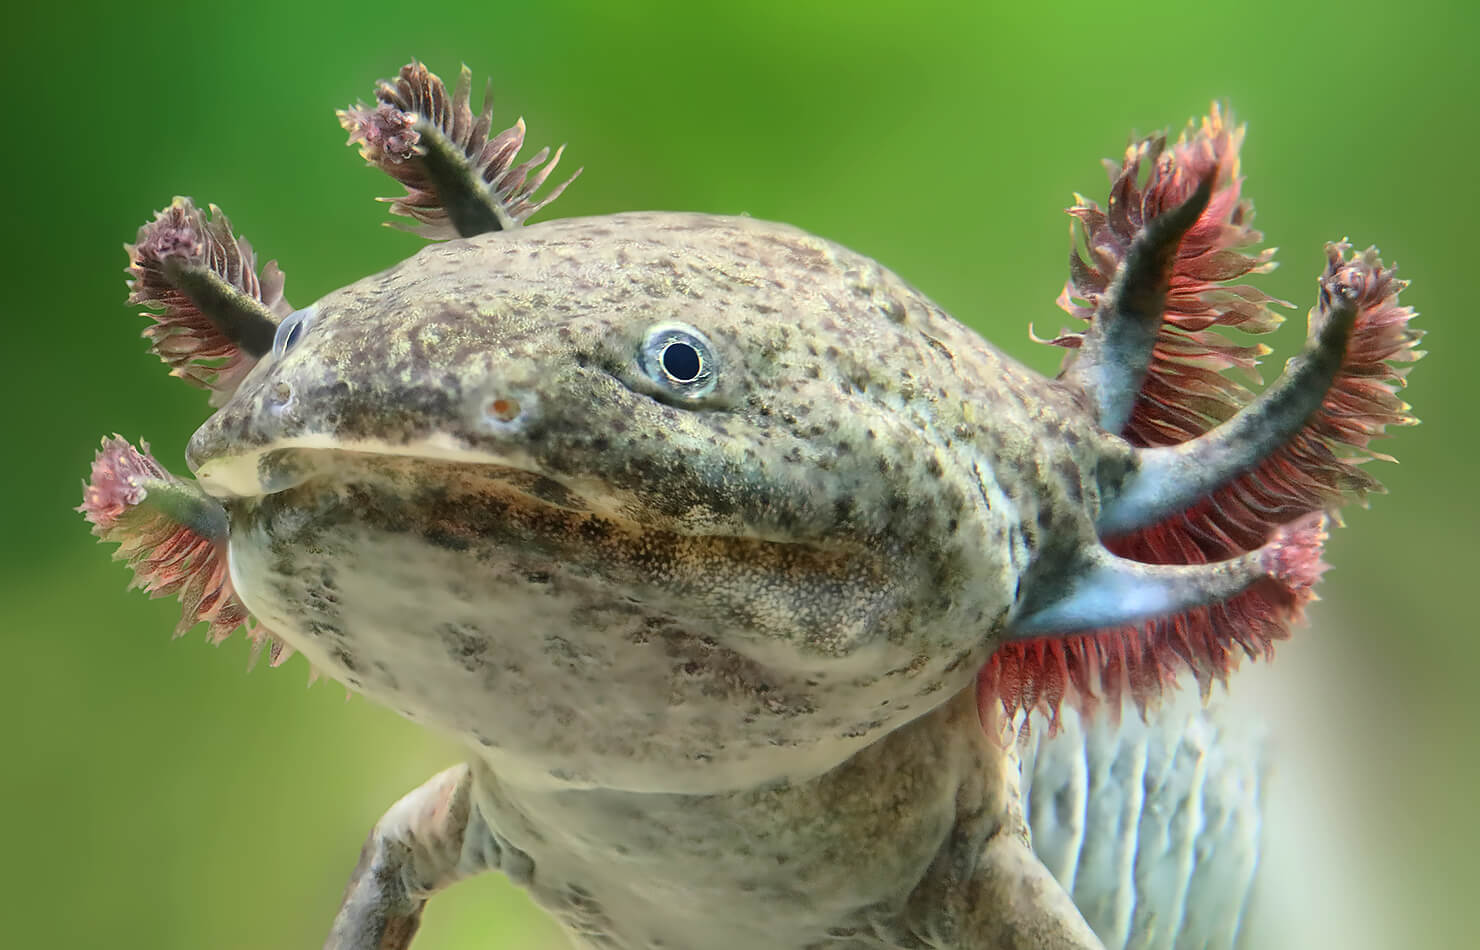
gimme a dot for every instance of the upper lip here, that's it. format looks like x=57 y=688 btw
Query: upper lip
x=244 y=474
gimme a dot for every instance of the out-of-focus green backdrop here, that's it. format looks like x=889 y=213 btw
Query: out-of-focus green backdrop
x=155 y=796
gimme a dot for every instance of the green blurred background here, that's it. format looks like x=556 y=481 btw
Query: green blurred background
x=161 y=798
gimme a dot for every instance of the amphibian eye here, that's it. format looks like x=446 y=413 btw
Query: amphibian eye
x=290 y=331
x=679 y=359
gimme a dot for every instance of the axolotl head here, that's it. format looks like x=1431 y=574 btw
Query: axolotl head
x=609 y=492
x=678 y=502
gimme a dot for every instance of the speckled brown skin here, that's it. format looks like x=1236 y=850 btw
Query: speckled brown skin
x=752 y=587
x=721 y=648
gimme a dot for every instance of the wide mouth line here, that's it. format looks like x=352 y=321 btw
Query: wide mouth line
x=285 y=464
x=288 y=464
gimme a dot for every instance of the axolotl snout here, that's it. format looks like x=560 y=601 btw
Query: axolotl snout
x=734 y=559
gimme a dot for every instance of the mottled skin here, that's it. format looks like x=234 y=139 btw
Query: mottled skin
x=715 y=658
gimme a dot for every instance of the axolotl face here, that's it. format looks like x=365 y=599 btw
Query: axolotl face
x=649 y=501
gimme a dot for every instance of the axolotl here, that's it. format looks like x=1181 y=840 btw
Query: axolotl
x=775 y=607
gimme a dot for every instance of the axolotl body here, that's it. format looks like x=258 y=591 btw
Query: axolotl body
x=735 y=560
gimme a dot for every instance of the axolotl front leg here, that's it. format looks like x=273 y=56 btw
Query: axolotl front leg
x=432 y=838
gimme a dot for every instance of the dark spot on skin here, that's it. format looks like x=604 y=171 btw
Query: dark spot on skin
x=346 y=660
x=443 y=538
x=551 y=492
x=1068 y=472
x=595 y=529
x=940 y=348
x=893 y=310
x=386 y=676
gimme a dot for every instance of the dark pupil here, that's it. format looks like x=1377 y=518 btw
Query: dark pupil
x=294 y=332
x=681 y=361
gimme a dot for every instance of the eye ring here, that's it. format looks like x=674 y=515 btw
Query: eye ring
x=291 y=330
x=679 y=359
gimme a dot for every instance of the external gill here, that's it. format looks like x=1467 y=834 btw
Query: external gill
x=173 y=537
x=1113 y=359
x=1168 y=479
x=459 y=181
x=1212 y=520
x=214 y=317
x=1100 y=589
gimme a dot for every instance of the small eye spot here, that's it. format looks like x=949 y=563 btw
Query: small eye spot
x=682 y=362
x=503 y=409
